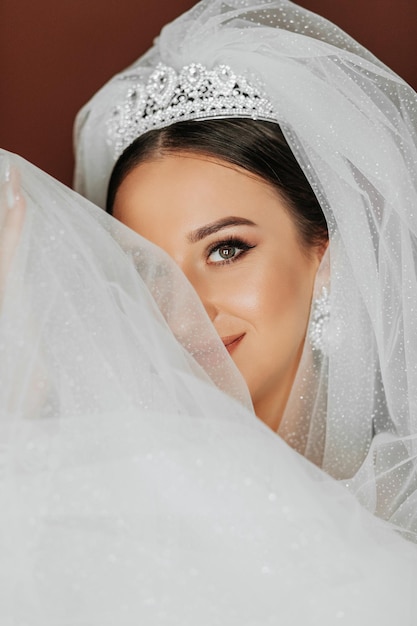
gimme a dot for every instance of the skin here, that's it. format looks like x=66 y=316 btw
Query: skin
x=12 y=215
x=12 y=218
x=233 y=237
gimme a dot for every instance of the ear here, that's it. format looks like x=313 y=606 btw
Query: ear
x=321 y=248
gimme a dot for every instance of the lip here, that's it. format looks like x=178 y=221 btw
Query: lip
x=232 y=341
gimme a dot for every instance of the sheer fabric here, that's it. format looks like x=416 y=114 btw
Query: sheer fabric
x=350 y=121
x=133 y=490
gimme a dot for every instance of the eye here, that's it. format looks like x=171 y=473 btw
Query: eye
x=227 y=251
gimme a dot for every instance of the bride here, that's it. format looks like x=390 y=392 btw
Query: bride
x=272 y=158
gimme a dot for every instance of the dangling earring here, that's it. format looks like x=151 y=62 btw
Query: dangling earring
x=319 y=322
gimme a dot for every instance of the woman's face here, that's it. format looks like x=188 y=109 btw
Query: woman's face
x=232 y=236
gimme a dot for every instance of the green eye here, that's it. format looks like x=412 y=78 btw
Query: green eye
x=227 y=252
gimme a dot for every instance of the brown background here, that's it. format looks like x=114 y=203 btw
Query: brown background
x=54 y=54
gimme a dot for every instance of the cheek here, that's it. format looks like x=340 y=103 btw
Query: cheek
x=273 y=298
x=277 y=295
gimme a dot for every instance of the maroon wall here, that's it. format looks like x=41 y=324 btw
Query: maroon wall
x=55 y=54
x=387 y=27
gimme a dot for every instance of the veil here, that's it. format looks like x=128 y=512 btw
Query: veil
x=133 y=490
x=136 y=484
x=350 y=122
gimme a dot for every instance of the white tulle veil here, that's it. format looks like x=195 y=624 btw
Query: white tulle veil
x=133 y=490
x=350 y=121
x=136 y=484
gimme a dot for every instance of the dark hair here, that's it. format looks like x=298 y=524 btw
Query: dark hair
x=256 y=146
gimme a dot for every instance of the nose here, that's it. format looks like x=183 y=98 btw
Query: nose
x=205 y=290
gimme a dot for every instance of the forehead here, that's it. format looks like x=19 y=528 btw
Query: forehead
x=193 y=187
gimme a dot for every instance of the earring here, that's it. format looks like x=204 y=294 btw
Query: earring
x=319 y=321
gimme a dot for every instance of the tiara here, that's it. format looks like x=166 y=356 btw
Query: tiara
x=192 y=93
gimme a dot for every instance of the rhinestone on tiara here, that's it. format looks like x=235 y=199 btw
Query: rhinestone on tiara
x=193 y=93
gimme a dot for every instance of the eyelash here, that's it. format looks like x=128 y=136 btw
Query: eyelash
x=232 y=242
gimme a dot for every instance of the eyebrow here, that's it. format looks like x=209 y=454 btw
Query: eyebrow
x=214 y=227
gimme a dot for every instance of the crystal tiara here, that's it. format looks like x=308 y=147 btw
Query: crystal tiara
x=192 y=93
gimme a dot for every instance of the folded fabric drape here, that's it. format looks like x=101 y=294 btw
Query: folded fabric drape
x=133 y=489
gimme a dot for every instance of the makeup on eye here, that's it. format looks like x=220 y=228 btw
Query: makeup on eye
x=228 y=250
